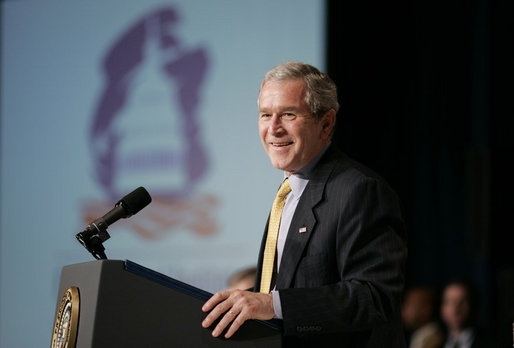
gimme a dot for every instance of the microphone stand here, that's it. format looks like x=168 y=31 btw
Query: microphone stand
x=92 y=238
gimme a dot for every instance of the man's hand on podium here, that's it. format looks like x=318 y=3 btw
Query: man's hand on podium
x=236 y=306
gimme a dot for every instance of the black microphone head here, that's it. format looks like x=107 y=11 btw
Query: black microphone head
x=135 y=201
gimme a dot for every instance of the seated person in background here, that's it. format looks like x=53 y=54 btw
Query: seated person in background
x=459 y=312
x=418 y=317
x=243 y=279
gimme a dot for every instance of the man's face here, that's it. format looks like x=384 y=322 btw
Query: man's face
x=290 y=134
x=455 y=309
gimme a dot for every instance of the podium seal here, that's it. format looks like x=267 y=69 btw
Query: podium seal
x=66 y=320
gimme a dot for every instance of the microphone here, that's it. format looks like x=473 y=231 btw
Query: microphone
x=126 y=207
x=96 y=232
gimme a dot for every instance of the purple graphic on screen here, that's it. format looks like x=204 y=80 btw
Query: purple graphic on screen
x=145 y=130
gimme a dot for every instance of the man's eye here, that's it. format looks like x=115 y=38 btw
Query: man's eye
x=265 y=115
x=288 y=116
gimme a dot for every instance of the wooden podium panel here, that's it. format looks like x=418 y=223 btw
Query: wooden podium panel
x=122 y=304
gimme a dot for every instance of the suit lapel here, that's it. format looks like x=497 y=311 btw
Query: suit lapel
x=303 y=223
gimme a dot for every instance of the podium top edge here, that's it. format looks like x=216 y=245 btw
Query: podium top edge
x=166 y=281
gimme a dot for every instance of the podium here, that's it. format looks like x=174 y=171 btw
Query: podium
x=113 y=303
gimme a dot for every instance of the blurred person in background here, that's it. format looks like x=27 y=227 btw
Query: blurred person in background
x=419 y=318
x=243 y=279
x=459 y=308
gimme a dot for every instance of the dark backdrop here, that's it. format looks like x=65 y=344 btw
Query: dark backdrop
x=426 y=93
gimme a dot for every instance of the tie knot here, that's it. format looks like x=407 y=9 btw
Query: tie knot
x=285 y=188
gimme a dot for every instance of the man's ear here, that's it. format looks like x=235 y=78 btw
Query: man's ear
x=328 y=122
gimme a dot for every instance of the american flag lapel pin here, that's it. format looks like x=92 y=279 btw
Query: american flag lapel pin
x=302 y=229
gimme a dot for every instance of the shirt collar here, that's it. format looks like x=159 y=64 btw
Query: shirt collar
x=465 y=337
x=297 y=184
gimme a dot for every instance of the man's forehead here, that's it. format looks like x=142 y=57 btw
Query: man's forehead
x=287 y=94
x=281 y=107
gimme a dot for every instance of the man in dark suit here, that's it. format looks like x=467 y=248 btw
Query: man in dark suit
x=340 y=256
x=459 y=310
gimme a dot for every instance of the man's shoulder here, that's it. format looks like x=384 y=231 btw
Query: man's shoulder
x=343 y=176
x=344 y=167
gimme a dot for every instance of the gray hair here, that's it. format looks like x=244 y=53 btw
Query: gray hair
x=320 y=91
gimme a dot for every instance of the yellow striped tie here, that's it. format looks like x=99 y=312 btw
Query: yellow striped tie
x=271 y=240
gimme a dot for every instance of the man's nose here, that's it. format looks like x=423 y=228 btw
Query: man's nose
x=275 y=126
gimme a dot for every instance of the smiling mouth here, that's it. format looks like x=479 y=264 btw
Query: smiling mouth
x=282 y=144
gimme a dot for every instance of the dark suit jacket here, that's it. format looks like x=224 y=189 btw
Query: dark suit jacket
x=341 y=281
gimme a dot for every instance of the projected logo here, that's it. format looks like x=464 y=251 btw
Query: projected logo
x=145 y=130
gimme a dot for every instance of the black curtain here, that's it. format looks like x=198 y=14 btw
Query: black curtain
x=426 y=93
